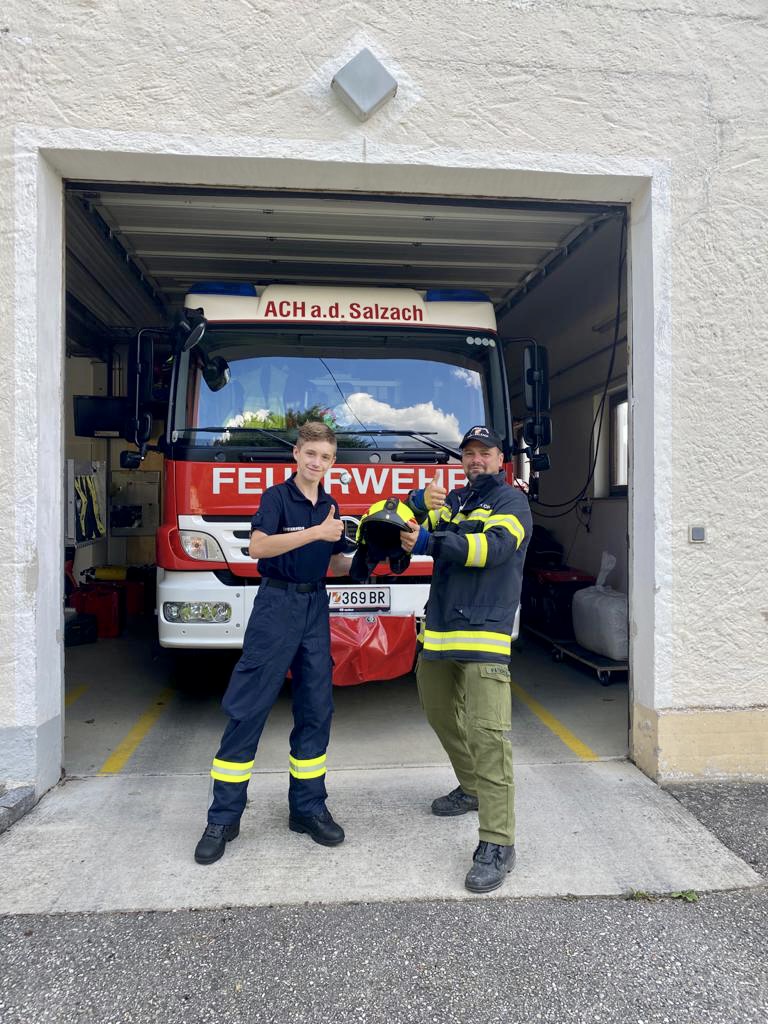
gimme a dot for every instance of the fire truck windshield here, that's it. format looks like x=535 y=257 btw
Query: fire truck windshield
x=265 y=383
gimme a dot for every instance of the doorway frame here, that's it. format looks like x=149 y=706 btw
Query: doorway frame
x=45 y=158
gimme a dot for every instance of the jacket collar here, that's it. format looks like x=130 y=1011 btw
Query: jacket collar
x=484 y=484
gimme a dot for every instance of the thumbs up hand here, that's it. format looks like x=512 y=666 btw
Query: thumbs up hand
x=331 y=528
x=435 y=493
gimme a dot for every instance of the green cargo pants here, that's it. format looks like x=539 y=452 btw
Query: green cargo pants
x=469 y=705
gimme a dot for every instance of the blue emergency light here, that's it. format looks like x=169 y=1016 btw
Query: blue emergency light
x=455 y=295
x=223 y=288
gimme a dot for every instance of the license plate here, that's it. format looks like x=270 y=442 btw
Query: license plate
x=359 y=599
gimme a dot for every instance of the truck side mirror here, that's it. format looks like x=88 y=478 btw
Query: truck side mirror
x=537 y=431
x=536 y=378
x=539 y=462
x=216 y=373
x=190 y=328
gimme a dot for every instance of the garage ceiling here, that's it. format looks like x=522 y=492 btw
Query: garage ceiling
x=134 y=251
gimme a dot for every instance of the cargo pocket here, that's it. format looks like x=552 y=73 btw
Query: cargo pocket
x=491 y=697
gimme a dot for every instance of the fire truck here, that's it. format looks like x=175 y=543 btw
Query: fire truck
x=398 y=374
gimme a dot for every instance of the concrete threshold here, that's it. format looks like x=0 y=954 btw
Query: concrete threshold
x=124 y=843
x=14 y=804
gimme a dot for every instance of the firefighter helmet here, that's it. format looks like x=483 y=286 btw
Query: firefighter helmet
x=378 y=538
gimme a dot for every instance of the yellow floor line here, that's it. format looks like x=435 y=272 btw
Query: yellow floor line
x=124 y=751
x=562 y=732
x=74 y=694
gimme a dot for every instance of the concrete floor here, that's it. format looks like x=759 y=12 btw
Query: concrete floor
x=117 y=689
x=119 y=834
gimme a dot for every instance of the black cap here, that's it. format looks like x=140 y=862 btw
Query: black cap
x=482 y=434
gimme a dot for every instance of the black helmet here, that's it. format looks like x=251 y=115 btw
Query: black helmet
x=378 y=538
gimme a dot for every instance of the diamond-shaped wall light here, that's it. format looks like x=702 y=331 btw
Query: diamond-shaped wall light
x=364 y=85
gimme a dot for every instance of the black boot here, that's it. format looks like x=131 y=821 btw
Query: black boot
x=321 y=827
x=455 y=802
x=214 y=841
x=492 y=864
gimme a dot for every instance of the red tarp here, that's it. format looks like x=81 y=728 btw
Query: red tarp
x=363 y=651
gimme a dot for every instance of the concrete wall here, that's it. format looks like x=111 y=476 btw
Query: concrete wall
x=664 y=107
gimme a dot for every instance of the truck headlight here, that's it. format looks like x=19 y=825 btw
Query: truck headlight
x=201 y=546
x=197 y=611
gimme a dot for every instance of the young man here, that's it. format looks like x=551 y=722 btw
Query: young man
x=477 y=535
x=297 y=536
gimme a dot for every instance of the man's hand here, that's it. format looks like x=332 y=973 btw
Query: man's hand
x=331 y=528
x=409 y=537
x=434 y=493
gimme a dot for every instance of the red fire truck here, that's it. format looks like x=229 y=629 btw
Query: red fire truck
x=398 y=374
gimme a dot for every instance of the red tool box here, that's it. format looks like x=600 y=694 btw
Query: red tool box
x=104 y=600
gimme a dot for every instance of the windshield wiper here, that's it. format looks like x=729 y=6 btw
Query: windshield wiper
x=245 y=430
x=425 y=438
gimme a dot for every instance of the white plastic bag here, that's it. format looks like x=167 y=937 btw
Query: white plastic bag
x=600 y=616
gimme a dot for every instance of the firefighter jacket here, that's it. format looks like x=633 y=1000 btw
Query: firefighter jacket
x=478 y=540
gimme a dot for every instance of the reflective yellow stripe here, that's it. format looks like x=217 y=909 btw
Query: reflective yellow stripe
x=471 y=549
x=477 y=551
x=482 y=633
x=311 y=762
x=231 y=771
x=511 y=523
x=479 y=513
x=438 y=515
x=306 y=768
x=482 y=541
x=307 y=775
x=220 y=777
x=468 y=640
x=242 y=766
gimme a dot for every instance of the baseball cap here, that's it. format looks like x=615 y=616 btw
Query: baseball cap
x=482 y=434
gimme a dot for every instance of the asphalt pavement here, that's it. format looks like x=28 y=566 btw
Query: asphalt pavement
x=637 y=959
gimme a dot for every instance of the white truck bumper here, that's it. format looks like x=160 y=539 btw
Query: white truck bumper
x=406 y=599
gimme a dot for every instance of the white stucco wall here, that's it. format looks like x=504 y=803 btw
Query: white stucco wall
x=581 y=88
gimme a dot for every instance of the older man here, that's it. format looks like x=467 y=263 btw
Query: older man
x=477 y=536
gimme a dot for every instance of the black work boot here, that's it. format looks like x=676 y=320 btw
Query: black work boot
x=492 y=864
x=455 y=802
x=321 y=827
x=214 y=840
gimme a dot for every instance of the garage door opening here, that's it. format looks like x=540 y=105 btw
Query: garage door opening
x=553 y=273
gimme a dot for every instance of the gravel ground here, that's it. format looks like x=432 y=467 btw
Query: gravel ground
x=602 y=961
x=737 y=813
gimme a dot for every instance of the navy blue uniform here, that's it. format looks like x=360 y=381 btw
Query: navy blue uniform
x=288 y=629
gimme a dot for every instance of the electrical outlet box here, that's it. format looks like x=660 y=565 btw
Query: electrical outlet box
x=697 y=534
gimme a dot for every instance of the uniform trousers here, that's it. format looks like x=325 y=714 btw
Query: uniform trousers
x=469 y=706
x=286 y=630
